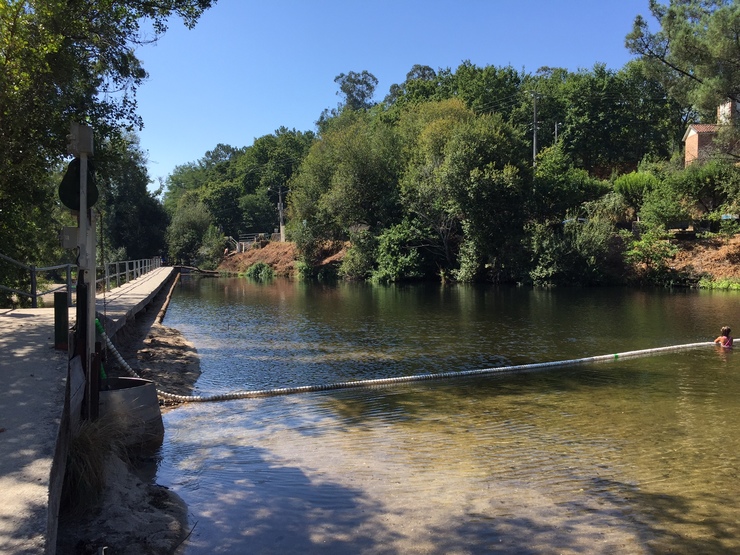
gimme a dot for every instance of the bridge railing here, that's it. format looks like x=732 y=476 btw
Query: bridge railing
x=35 y=272
x=108 y=276
x=115 y=274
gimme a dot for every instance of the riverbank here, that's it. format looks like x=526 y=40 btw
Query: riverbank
x=715 y=258
x=134 y=516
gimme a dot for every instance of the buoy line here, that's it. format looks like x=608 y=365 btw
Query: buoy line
x=519 y=368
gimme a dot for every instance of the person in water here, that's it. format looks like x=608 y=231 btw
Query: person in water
x=725 y=340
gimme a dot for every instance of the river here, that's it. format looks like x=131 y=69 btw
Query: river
x=630 y=456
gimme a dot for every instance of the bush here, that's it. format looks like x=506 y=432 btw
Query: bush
x=397 y=260
x=635 y=186
x=260 y=271
x=649 y=255
x=358 y=263
x=571 y=253
x=727 y=284
x=663 y=206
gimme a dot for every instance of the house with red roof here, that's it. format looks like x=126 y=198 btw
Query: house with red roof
x=699 y=137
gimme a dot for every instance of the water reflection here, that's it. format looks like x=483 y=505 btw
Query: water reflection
x=636 y=456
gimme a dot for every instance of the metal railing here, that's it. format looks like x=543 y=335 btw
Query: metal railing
x=108 y=276
x=124 y=271
x=34 y=293
x=247 y=240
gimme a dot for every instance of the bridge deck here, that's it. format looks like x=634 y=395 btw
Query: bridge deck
x=32 y=388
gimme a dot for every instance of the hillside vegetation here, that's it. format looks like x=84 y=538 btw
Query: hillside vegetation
x=717 y=259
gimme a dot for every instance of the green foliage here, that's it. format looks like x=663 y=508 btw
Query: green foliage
x=649 y=255
x=695 y=51
x=558 y=186
x=573 y=252
x=728 y=284
x=663 y=207
x=210 y=251
x=187 y=230
x=357 y=88
x=348 y=179
x=134 y=221
x=397 y=257
x=706 y=185
x=482 y=185
x=242 y=186
x=64 y=61
x=729 y=228
x=260 y=272
x=634 y=186
x=358 y=263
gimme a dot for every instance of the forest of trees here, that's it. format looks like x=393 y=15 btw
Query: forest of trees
x=450 y=176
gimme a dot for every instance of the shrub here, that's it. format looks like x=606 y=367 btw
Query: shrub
x=571 y=253
x=397 y=259
x=358 y=263
x=649 y=255
x=260 y=271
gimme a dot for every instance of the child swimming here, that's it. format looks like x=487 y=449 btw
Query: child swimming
x=725 y=339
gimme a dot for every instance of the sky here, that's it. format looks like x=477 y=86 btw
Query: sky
x=251 y=66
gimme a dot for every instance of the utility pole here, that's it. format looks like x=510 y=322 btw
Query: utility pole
x=535 y=96
x=280 y=213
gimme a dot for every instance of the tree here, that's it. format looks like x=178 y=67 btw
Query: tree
x=358 y=89
x=426 y=130
x=696 y=49
x=420 y=85
x=63 y=61
x=483 y=173
x=559 y=187
x=187 y=231
x=135 y=222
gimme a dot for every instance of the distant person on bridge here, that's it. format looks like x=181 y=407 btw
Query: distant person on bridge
x=725 y=339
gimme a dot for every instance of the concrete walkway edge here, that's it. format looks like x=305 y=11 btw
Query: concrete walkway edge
x=34 y=412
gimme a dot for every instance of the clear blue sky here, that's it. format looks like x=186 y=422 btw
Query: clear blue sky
x=249 y=67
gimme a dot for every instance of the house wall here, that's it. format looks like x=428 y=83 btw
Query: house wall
x=696 y=146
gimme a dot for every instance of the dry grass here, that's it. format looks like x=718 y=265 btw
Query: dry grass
x=84 y=477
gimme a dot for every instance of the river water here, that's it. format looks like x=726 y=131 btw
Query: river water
x=630 y=456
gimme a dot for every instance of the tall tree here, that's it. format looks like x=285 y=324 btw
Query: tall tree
x=696 y=49
x=358 y=89
x=59 y=59
x=134 y=220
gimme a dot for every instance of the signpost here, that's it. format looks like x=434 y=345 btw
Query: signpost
x=81 y=146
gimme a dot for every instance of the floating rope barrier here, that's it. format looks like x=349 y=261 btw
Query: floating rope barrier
x=520 y=368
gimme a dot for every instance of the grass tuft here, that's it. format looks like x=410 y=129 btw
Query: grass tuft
x=84 y=477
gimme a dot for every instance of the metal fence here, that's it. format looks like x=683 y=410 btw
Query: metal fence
x=108 y=276
x=35 y=271
x=115 y=274
x=247 y=240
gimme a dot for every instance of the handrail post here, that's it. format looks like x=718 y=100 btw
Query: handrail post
x=107 y=276
x=34 y=299
x=69 y=285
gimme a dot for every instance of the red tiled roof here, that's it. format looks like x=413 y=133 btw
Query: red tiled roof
x=705 y=127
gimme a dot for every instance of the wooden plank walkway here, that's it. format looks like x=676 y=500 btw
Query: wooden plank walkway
x=32 y=392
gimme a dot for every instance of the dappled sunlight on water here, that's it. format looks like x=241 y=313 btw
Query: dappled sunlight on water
x=635 y=456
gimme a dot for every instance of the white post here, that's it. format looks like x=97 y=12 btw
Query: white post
x=280 y=212
x=81 y=145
